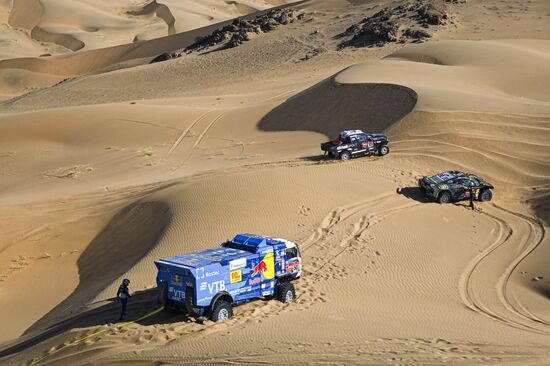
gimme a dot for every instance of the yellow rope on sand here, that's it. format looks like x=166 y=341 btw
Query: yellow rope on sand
x=78 y=341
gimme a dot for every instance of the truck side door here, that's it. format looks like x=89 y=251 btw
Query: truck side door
x=268 y=275
x=252 y=278
x=293 y=261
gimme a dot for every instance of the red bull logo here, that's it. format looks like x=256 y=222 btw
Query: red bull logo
x=266 y=267
x=176 y=280
x=259 y=268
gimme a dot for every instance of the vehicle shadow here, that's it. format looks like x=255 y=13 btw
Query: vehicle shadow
x=316 y=158
x=140 y=304
x=414 y=193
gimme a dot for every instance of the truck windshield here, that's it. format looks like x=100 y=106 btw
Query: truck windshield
x=232 y=245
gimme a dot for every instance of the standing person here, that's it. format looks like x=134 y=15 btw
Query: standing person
x=471 y=189
x=123 y=294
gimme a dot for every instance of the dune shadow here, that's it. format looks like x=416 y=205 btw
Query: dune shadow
x=141 y=303
x=330 y=107
x=541 y=206
x=127 y=238
x=543 y=291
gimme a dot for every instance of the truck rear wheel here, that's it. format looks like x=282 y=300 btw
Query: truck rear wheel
x=222 y=311
x=162 y=297
x=286 y=292
x=383 y=150
x=345 y=155
x=188 y=302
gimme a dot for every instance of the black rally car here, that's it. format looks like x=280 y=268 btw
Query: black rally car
x=455 y=186
x=354 y=143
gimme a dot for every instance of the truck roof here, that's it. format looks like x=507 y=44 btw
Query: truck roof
x=240 y=246
x=206 y=257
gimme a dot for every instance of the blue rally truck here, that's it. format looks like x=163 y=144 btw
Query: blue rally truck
x=212 y=281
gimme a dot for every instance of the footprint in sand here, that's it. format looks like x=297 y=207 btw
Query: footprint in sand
x=304 y=210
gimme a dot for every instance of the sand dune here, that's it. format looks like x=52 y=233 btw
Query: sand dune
x=104 y=173
x=98 y=24
x=43 y=71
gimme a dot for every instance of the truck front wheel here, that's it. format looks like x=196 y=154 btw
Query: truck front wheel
x=286 y=292
x=383 y=150
x=222 y=311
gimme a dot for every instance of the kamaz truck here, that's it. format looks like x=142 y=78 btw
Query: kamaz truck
x=209 y=283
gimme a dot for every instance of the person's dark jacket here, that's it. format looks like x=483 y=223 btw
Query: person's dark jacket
x=123 y=293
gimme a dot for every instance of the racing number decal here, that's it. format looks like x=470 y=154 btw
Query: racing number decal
x=235 y=276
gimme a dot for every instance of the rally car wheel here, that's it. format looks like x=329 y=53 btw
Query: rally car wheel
x=286 y=292
x=222 y=311
x=383 y=150
x=346 y=155
x=444 y=197
x=485 y=195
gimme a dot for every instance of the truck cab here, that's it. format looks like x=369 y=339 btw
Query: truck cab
x=212 y=281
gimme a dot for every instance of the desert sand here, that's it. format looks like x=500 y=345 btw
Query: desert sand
x=109 y=162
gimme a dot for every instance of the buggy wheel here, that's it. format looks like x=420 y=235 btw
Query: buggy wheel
x=485 y=195
x=222 y=311
x=383 y=150
x=345 y=155
x=444 y=197
x=286 y=292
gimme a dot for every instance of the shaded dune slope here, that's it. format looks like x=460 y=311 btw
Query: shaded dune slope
x=99 y=59
x=27 y=14
x=481 y=106
x=161 y=11
x=330 y=107
x=127 y=238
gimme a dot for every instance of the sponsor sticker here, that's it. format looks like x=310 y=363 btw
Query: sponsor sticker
x=176 y=280
x=204 y=299
x=236 y=276
x=237 y=264
x=254 y=281
x=293 y=266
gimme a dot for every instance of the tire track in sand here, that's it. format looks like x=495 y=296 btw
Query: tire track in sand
x=499 y=301
x=186 y=131
x=361 y=216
